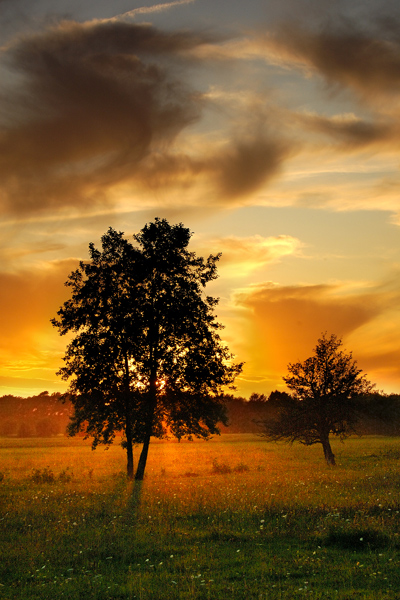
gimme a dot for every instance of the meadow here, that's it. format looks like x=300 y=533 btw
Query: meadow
x=235 y=517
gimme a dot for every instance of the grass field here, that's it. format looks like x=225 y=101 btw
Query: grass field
x=235 y=517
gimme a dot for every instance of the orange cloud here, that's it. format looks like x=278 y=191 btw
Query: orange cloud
x=281 y=325
x=242 y=255
x=28 y=300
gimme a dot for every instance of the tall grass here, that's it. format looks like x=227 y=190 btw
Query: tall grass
x=235 y=517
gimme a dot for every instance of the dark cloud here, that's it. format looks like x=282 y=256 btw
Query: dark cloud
x=101 y=105
x=247 y=164
x=352 y=133
x=235 y=170
x=96 y=101
x=364 y=59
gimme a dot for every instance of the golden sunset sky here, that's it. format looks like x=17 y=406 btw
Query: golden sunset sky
x=270 y=129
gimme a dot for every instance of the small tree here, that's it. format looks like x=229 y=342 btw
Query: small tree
x=146 y=357
x=325 y=390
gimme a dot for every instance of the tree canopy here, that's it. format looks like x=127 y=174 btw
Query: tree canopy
x=325 y=393
x=146 y=356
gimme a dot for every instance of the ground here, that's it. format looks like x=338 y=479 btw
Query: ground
x=235 y=517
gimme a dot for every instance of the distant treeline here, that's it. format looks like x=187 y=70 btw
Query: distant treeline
x=36 y=416
x=45 y=415
x=378 y=413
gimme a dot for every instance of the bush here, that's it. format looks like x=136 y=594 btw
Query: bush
x=45 y=475
x=220 y=468
x=66 y=475
x=241 y=468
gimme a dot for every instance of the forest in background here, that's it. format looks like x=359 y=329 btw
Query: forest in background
x=45 y=415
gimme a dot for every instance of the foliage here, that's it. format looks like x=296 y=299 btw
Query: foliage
x=25 y=429
x=46 y=428
x=326 y=390
x=244 y=414
x=379 y=413
x=146 y=357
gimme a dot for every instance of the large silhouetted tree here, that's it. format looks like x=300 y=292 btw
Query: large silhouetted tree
x=146 y=356
x=325 y=393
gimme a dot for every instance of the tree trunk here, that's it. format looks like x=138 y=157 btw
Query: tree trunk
x=149 y=425
x=128 y=423
x=129 y=455
x=143 y=458
x=329 y=456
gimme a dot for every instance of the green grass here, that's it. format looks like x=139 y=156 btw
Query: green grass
x=236 y=517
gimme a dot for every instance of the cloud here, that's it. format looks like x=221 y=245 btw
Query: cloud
x=28 y=300
x=365 y=59
x=242 y=255
x=12 y=254
x=30 y=349
x=308 y=310
x=284 y=322
x=230 y=173
x=96 y=100
x=98 y=111
x=351 y=132
x=248 y=164
x=143 y=10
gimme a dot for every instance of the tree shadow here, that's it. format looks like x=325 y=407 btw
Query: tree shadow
x=134 y=501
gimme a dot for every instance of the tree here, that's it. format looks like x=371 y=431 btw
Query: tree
x=146 y=357
x=46 y=427
x=326 y=389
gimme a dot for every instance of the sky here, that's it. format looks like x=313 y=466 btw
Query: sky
x=269 y=129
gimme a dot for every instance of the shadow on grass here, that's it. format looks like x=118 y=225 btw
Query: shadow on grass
x=356 y=539
x=134 y=501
